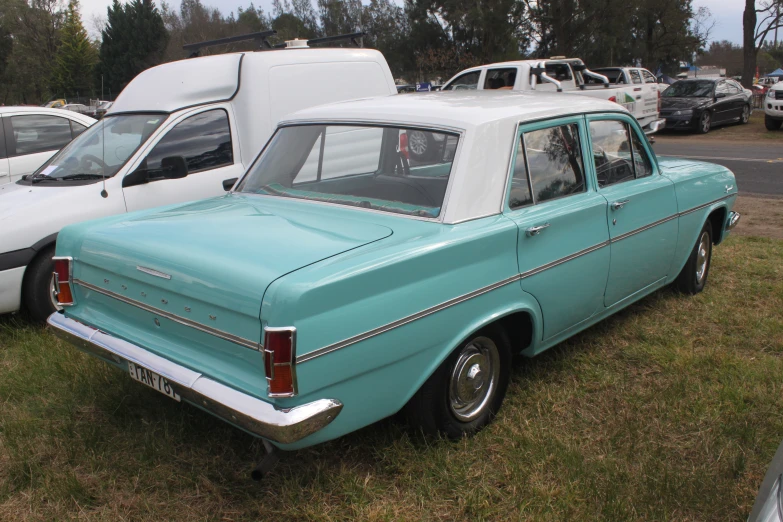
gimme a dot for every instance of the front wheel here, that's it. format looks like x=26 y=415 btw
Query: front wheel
x=694 y=274
x=772 y=124
x=705 y=123
x=745 y=118
x=38 y=290
x=467 y=390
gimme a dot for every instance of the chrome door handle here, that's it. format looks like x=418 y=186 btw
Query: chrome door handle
x=617 y=205
x=534 y=231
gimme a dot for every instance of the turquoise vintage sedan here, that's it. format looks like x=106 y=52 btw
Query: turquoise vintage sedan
x=344 y=279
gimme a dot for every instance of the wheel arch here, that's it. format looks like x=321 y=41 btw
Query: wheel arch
x=717 y=218
x=39 y=247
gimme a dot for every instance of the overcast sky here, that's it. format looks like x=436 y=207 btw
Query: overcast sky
x=727 y=14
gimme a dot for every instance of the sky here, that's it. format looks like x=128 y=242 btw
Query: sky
x=726 y=14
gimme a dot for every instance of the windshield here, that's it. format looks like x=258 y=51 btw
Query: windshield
x=101 y=150
x=695 y=89
x=393 y=169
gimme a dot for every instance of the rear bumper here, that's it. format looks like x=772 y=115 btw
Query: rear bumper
x=655 y=126
x=260 y=418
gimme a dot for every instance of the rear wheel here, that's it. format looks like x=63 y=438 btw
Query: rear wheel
x=38 y=291
x=467 y=390
x=772 y=124
x=694 y=274
x=705 y=123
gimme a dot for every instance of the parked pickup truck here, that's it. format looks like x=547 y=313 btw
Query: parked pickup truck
x=773 y=107
x=178 y=132
x=627 y=76
x=566 y=75
x=302 y=307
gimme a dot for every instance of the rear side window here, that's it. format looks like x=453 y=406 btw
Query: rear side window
x=500 y=78
x=519 y=194
x=554 y=159
x=648 y=77
x=204 y=140
x=468 y=81
x=617 y=152
x=36 y=133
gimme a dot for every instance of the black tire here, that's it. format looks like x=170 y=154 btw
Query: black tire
x=694 y=276
x=745 y=117
x=432 y=409
x=772 y=124
x=705 y=123
x=37 y=290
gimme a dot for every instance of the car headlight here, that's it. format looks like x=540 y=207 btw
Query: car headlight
x=685 y=112
x=771 y=511
x=770 y=93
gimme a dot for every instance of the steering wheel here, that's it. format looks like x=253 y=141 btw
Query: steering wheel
x=94 y=159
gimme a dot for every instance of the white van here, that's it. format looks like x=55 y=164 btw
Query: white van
x=178 y=132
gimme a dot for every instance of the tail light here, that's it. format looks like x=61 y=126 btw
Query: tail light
x=280 y=361
x=404 y=145
x=63 y=273
x=613 y=99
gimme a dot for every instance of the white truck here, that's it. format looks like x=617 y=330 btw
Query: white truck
x=181 y=131
x=773 y=107
x=642 y=99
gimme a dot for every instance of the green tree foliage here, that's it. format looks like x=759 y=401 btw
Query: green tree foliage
x=134 y=39
x=76 y=57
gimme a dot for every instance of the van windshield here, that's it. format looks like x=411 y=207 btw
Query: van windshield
x=391 y=169
x=100 y=151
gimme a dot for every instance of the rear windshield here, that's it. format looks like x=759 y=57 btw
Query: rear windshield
x=392 y=169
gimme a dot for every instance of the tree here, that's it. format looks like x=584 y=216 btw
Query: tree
x=75 y=58
x=134 y=40
x=755 y=32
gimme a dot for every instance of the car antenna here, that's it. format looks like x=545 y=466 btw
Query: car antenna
x=194 y=49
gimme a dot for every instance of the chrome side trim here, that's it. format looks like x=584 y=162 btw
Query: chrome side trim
x=442 y=306
x=152 y=272
x=694 y=209
x=260 y=418
x=168 y=315
x=645 y=227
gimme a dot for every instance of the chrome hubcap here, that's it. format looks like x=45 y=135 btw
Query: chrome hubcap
x=474 y=379
x=417 y=142
x=702 y=257
x=705 y=122
x=745 y=114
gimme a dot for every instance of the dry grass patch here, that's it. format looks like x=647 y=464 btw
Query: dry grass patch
x=669 y=410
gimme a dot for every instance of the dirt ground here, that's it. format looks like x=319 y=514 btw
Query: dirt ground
x=761 y=216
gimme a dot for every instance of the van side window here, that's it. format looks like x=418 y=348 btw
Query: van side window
x=554 y=156
x=204 y=140
x=468 y=81
x=36 y=133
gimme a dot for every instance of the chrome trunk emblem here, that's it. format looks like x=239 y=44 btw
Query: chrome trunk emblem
x=152 y=272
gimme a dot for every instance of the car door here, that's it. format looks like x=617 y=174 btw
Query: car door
x=642 y=206
x=737 y=97
x=31 y=139
x=651 y=93
x=5 y=172
x=562 y=241
x=206 y=141
x=723 y=109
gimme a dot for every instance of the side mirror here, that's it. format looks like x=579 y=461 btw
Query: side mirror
x=228 y=184
x=720 y=95
x=174 y=167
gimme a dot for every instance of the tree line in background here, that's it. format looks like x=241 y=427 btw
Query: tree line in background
x=45 y=51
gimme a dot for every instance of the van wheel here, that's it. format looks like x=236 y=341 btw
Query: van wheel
x=467 y=390
x=38 y=290
x=772 y=124
x=694 y=274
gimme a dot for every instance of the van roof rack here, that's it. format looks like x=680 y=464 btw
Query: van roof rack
x=352 y=37
x=260 y=38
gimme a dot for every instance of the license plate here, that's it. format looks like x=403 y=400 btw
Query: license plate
x=153 y=380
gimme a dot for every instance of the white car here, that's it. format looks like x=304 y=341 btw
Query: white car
x=31 y=135
x=181 y=131
x=773 y=107
x=641 y=98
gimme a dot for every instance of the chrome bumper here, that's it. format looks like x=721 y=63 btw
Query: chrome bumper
x=655 y=126
x=254 y=415
x=734 y=218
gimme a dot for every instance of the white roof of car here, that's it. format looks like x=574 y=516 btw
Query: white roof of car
x=210 y=79
x=457 y=109
x=489 y=120
x=63 y=113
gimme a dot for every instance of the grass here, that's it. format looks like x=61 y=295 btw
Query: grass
x=670 y=410
x=754 y=130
